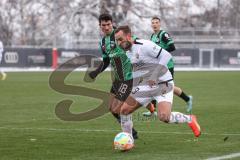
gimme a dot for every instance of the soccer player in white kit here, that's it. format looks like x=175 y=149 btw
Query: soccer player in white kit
x=152 y=80
x=3 y=74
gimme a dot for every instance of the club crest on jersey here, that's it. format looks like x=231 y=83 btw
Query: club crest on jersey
x=167 y=35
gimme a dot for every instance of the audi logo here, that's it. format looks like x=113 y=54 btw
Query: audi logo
x=11 y=57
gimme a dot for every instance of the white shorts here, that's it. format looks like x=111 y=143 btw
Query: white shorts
x=144 y=94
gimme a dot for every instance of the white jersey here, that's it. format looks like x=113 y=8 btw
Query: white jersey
x=146 y=56
x=150 y=63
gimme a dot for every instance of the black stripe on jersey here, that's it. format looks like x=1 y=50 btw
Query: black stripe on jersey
x=159 y=53
x=118 y=64
x=135 y=42
x=151 y=36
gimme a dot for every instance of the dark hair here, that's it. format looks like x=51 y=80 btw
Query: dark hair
x=104 y=17
x=157 y=18
x=126 y=29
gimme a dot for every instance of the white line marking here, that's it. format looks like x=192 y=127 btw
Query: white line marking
x=233 y=155
x=103 y=130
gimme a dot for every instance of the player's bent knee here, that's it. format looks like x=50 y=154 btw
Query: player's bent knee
x=125 y=110
x=164 y=117
x=115 y=110
x=115 y=107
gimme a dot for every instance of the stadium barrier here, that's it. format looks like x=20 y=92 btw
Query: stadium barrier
x=188 y=58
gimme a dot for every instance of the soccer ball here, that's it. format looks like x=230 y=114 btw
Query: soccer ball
x=123 y=141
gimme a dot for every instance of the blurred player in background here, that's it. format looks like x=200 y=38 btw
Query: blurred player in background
x=122 y=68
x=3 y=74
x=150 y=62
x=163 y=39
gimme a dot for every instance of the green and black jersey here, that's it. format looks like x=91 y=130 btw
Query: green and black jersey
x=163 y=40
x=122 y=67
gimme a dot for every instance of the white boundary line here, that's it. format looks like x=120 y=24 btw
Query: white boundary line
x=110 y=131
x=233 y=155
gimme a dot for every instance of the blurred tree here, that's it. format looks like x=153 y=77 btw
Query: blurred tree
x=6 y=21
x=117 y=8
x=57 y=22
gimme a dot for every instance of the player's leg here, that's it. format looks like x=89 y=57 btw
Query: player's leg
x=166 y=115
x=3 y=74
x=120 y=90
x=154 y=102
x=139 y=97
x=187 y=98
x=179 y=92
x=152 y=109
x=114 y=109
x=128 y=107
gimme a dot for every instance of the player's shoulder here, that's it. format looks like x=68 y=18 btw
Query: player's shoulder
x=143 y=42
x=165 y=34
x=147 y=45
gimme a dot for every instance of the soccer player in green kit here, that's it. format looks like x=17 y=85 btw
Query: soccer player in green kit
x=122 y=68
x=162 y=39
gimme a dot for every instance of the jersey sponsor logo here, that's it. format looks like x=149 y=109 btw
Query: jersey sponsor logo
x=139 y=64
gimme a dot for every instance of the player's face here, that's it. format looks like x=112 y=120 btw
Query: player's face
x=155 y=25
x=123 y=40
x=106 y=27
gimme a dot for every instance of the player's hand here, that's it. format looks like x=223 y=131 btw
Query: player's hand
x=90 y=76
x=151 y=83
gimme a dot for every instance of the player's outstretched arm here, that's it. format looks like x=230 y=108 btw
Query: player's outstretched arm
x=104 y=64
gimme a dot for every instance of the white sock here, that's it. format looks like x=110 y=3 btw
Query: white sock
x=126 y=123
x=177 y=117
